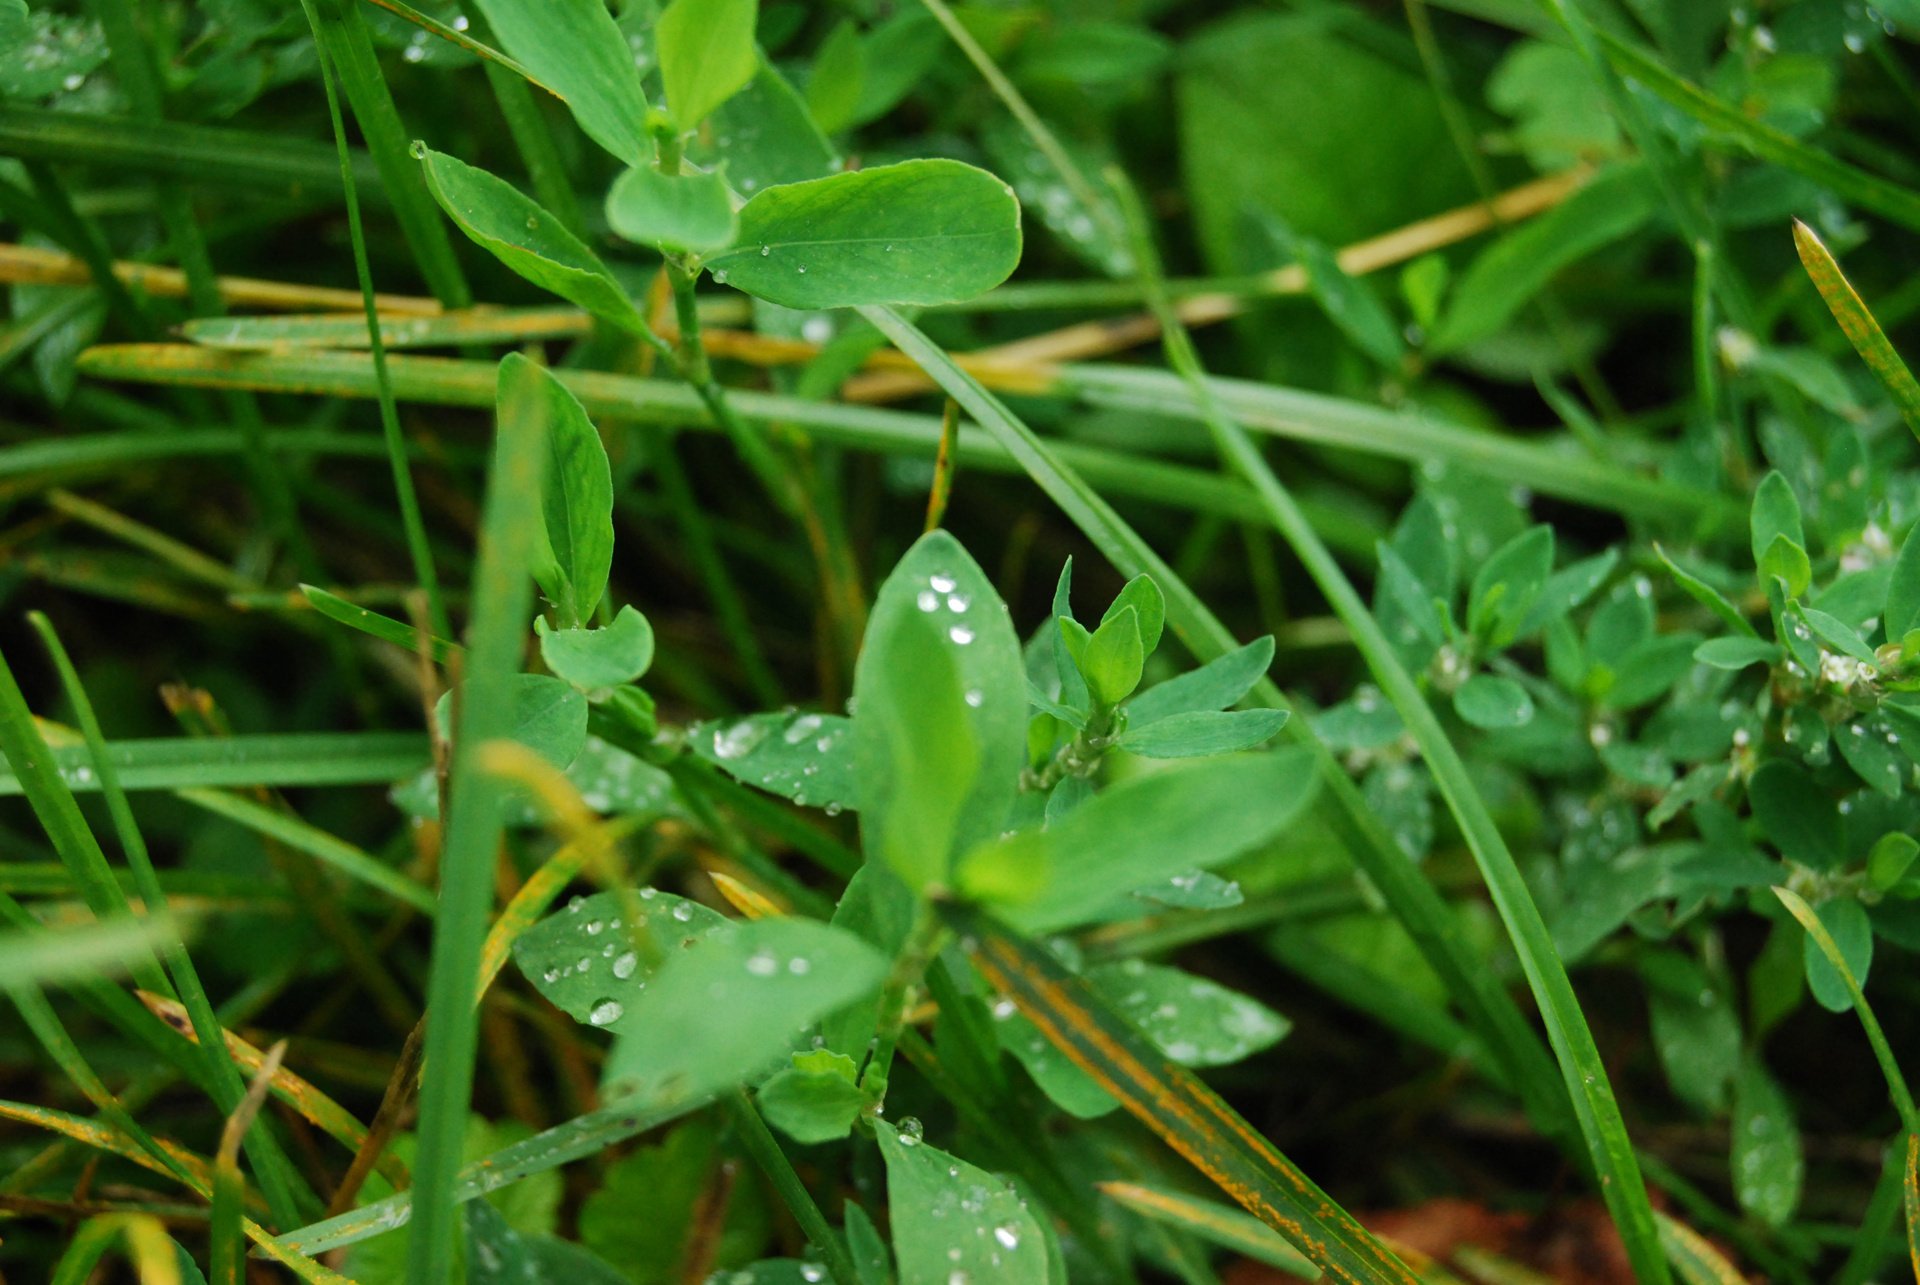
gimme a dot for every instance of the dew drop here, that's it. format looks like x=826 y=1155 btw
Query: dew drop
x=623 y=966
x=762 y=963
x=961 y=635
x=605 y=1012
x=765 y=250
x=1007 y=1236
x=683 y=912
x=911 y=1131
x=942 y=582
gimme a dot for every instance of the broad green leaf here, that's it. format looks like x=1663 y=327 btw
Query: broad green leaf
x=940 y=728
x=526 y=238
x=1505 y=587
x=1515 y=268
x=1796 y=814
x=1871 y=748
x=764 y=136
x=920 y=232
x=952 y=1220
x=1736 y=653
x=1150 y=610
x=1194 y=1021
x=1141 y=832
x=1493 y=702
x=1768 y=1165
x=1892 y=856
x=1203 y=732
x=1787 y=562
x=808 y=758
x=1695 y=1030
x=1902 y=612
x=1112 y=658
x=1858 y=324
x=706 y=53
x=732 y=1004
x=590 y=953
x=549 y=717
x=499 y=1255
x=1193 y=890
x=1846 y=922
x=592 y=659
x=1215 y=685
x=1775 y=514
x=1705 y=594
x=574 y=548
x=678 y=212
x=573 y=48
x=1175 y=1104
x=814 y=1100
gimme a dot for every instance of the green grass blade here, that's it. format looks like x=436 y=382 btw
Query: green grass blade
x=1869 y=191
x=1897 y=1090
x=1694 y=1257
x=1175 y=1104
x=375 y=625
x=1858 y=324
x=38 y=776
x=278 y=1180
x=496 y=638
x=1413 y=900
x=418 y=549
x=171 y=763
x=97 y=950
x=1910 y=1189
x=285 y=828
x=582 y=1136
x=1608 y=1146
x=345 y=39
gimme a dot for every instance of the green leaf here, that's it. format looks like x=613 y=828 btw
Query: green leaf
x=707 y=55
x=1736 y=653
x=1194 y=1021
x=837 y=77
x=574 y=549
x=1493 y=702
x=1505 y=587
x=1695 y=1030
x=1215 y=685
x=644 y=1212
x=1890 y=859
x=1350 y=304
x=814 y=1100
x=1775 y=514
x=1203 y=732
x=680 y=212
x=1706 y=595
x=940 y=732
x=1902 y=612
x=1150 y=610
x=769 y=980
x=375 y=625
x=1141 y=832
x=526 y=238
x=549 y=716
x=920 y=232
x=1768 y=1165
x=769 y=137
x=1520 y=264
x=954 y=1221
x=1846 y=922
x=592 y=659
x=1175 y=1104
x=809 y=758
x=574 y=49
x=1213 y=1222
x=1787 y=562
x=591 y=952
x=1796 y=814
x=499 y=1255
x=1112 y=658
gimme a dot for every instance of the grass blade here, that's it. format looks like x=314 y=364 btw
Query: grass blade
x=1910 y=1188
x=1858 y=324
x=1213 y=1222
x=1694 y=1257
x=496 y=638
x=228 y=1240
x=1176 y=1105
x=1609 y=1148
x=353 y=862
x=293 y=759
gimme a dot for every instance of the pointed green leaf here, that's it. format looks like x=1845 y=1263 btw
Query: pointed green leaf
x=526 y=238
x=1215 y=685
x=1112 y=658
x=574 y=548
x=707 y=55
x=1203 y=732
x=573 y=48
x=1736 y=653
x=1493 y=702
x=1150 y=610
x=1847 y=925
x=952 y=1221
x=806 y=757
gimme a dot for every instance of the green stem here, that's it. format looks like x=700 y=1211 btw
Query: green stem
x=923 y=942
x=772 y=1159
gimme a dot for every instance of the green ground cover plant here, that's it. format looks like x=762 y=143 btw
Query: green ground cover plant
x=770 y=643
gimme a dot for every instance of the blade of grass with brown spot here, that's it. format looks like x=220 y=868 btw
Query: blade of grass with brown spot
x=1174 y=1103
x=1857 y=323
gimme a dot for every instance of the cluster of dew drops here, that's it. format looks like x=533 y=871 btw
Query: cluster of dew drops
x=943 y=593
x=1006 y=1236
